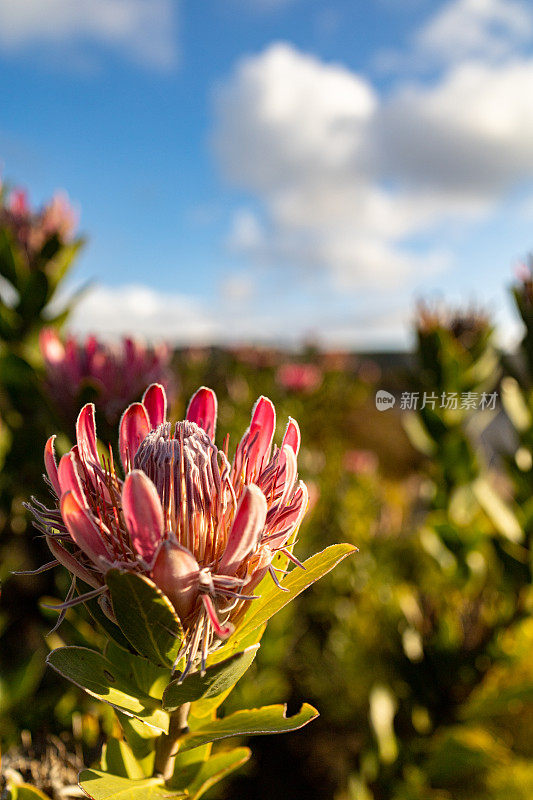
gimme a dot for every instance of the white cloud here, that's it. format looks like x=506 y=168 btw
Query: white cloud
x=345 y=180
x=144 y=30
x=182 y=320
x=233 y=318
x=470 y=136
x=246 y=234
x=140 y=310
x=489 y=31
x=464 y=29
x=300 y=135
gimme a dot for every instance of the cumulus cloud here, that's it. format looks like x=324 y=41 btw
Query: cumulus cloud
x=294 y=109
x=347 y=181
x=489 y=31
x=465 y=29
x=138 y=309
x=299 y=134
x=144 y=30
x=471 y=135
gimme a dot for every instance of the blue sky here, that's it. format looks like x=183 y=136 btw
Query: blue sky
x=273 y=169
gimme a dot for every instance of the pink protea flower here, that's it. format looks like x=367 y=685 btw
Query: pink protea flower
x=204 y=530
x=32 y=228
x=117 y=373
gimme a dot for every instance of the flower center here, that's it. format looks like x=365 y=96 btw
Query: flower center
x=195 y=491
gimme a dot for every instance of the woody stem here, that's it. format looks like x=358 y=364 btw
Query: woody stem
x=167 y=744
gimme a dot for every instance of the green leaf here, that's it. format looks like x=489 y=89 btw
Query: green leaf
x=34 y=296
x=111 y=630
x=150 y=678
x=100 y=678
x=17 y=374
x=251 y=722
x=515 y=404
x=498 y=702
x=10 y=262
x=118 y=759
x=199 y=776
x=206 y=706
x=273 y=599
x=21 y=683
x=103 y=786
x=9 y=323
x=60 y=264
x=145 y=616
x=141 y=741
x=217 y=679
x=500 y=514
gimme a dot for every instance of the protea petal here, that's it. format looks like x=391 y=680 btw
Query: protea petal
x=69 y=479
x=143 y=514
x=86 y=434
x=70 y=562
x=289 y=469
x=246 y=530
x=290 y=518
x=155 y=402
x=292 y=436
x=177 y=574
x=260 y=435
x=50 y=464
x=259 y=568
x=202 y=409
x=83 y=530
x=134 y=427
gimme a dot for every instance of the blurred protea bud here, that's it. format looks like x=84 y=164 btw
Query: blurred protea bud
x=31 y=228
x=456 y=355
x=469 y=328
x=113 y=374
x=204 y=530
x=299 y=377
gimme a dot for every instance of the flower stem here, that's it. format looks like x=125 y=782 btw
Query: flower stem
x=167 y=744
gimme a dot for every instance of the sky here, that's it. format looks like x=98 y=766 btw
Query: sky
x=277 y=170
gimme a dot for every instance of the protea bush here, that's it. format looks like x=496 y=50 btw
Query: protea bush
x=110 y=374
x=182 y=555
x=38 y=246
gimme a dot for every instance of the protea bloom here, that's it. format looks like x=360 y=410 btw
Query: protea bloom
x=204 y=530
x=305 y=378
x=116 y=372
x=32 y=229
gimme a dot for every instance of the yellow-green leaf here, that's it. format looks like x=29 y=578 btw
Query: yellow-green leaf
x=100 y=678
x=103 y=786
x=251 y=722
x=217 y=679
